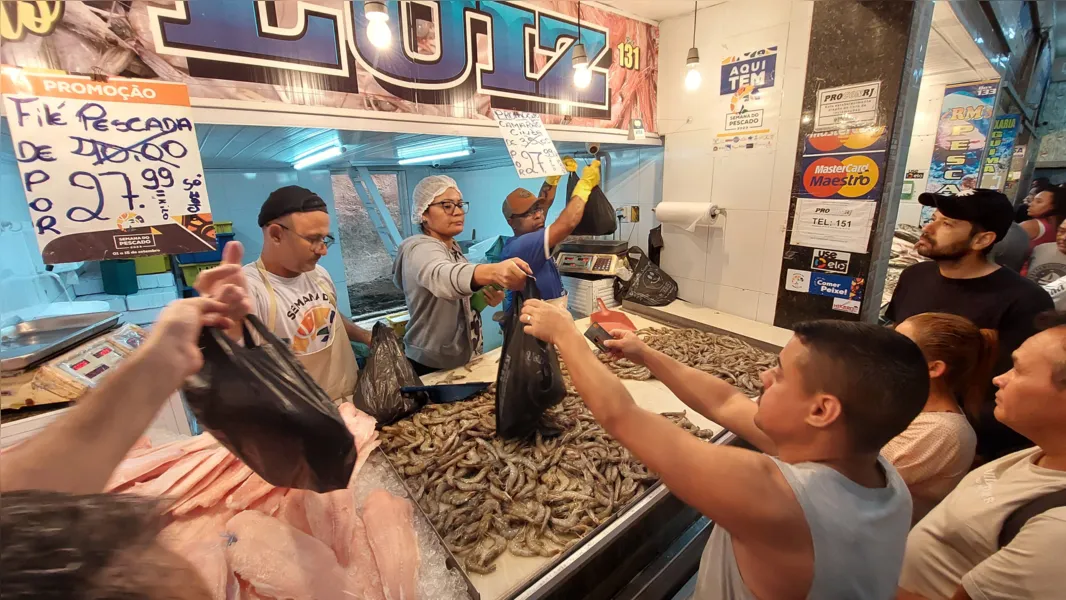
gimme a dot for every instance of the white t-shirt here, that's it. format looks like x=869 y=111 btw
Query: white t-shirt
x=932 y=455
x=958 y=541
x=304 y=312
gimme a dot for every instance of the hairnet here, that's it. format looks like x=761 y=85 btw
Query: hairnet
x=428 y=189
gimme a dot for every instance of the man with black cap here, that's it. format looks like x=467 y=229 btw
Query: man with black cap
x=294 y=296
x=961 y=280
x=534 y=241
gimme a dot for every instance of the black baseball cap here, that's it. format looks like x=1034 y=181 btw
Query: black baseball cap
x=988 y=209
x=288 y=200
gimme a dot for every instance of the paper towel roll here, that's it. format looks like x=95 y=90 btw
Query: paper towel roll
x=687 y=215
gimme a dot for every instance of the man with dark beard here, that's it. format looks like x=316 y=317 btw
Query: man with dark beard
x=961 y=280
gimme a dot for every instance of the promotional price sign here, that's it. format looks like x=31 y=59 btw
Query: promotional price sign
x=111 y=169
x=532 y=151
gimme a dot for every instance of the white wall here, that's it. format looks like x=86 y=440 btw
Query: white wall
x=923 y=138
x=734 y=268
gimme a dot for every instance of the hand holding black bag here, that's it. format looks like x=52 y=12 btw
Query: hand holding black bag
x=529 y=380
x=261 y=404
x=387 y=370
x=599 y=217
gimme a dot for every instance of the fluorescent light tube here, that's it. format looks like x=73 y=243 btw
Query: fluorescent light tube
x=318 y=156
x=433 y=157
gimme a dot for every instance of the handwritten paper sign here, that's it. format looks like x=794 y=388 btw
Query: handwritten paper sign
x=111 y=169
x=531 y=149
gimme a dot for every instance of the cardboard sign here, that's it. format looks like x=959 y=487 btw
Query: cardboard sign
x=847 y=106
x=833 y=224
x=111 y=169
x=531 y=149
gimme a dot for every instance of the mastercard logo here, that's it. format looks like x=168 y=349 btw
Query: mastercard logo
x=855 y=139
x=852 y=177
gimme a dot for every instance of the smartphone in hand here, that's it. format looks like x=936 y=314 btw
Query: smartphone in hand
x=599 y=335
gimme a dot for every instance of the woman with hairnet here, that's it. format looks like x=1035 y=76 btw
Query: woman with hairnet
x=444 y=332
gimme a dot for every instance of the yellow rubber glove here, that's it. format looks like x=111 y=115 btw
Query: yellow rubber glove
x=590 y=178
x=569 y=163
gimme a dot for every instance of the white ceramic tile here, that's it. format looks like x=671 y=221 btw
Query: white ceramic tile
x=740 y=181
x=799 y=33
x=690 y=290
x=738 y=260
x=774 y=247
x=767 y=308
x=784 y=164
x=732 y=300
x=792 y=86
x=910 y=213
x=687 y=167
x=684 y=252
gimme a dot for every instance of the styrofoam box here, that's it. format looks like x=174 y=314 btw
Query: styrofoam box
x=159 y=280
x=116 y=303
x=151 y=298
x=89 y=285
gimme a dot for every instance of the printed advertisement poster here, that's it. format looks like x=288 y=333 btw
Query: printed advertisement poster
x=847 y=106
x=833 y=224
x=451 y=59
x=110 y=169
x=749 y=97
x=965 y=123
x=1000 y=151
x=845 y=165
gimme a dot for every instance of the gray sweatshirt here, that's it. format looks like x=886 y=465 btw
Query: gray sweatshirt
x=437 y=288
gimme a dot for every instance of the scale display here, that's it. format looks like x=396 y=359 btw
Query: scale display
x=589 y=264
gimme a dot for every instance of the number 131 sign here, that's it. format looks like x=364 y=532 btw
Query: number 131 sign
x=111 y=169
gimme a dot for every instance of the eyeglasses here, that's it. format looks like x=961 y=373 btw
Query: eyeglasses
x=324 y=241
x=530 y=213
x=449 y=207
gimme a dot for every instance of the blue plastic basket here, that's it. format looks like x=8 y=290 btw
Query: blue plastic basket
x=221 y=240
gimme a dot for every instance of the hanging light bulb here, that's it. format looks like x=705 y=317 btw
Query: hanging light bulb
x=377 y=29
x=693 y=77
x=692 y=61
x=582 y=75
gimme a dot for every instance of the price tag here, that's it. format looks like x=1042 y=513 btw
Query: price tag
x=111 y=169
x=532 y=151
x=833 y=224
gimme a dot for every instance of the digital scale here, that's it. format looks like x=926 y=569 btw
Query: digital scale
x=592 y=257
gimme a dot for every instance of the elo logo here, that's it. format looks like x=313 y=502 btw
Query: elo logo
x=831 y=261
x=853 y=177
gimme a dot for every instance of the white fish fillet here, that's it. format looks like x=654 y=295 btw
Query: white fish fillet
x=144 y=466
x=281 y=562
x=390 y=529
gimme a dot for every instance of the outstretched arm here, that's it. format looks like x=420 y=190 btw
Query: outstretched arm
x=687 y=465
x=78 y=452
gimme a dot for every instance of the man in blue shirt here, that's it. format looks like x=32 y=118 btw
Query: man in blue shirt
x=534 y=241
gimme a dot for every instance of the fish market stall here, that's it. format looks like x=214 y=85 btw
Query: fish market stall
x=580 y=516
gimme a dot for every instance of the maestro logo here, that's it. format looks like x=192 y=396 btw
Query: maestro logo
x=852 y=177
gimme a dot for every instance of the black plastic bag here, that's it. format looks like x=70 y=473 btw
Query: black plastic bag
x=529 y=380
x=261 y=404
x=649 y=285
x=599 y=217
x=387 y=370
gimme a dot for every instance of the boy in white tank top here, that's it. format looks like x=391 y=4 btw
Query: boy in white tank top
x=821 y=515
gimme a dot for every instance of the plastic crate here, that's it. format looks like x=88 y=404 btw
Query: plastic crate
x=191 y=258
x=191 y=271
x=151 y=265
x=223 y=227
